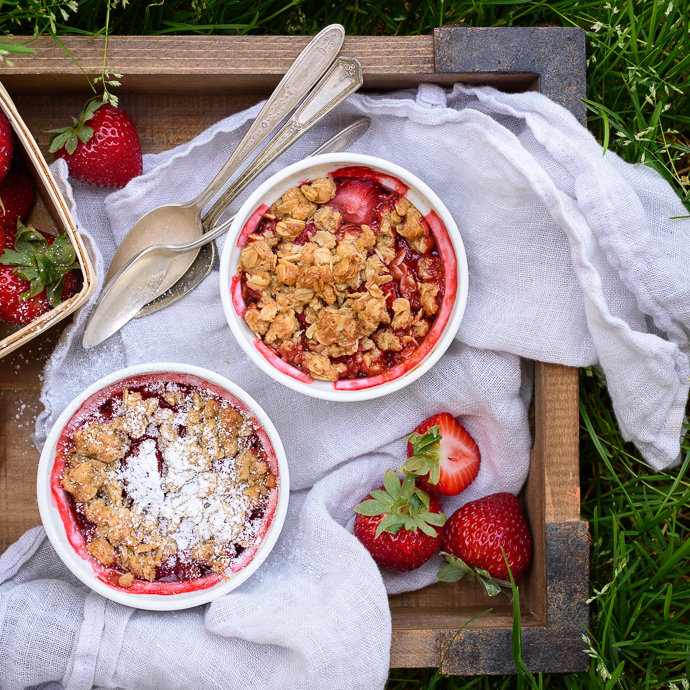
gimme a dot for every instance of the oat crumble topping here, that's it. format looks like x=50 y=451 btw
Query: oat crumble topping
x=341 y=278
x=168 y=482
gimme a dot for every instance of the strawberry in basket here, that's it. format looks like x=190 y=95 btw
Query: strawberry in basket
x=101 y=148
x=17 y=194
x=397 y=524
x=6 y=145
x=483 y=538
x=443 y=455
x=35 y=276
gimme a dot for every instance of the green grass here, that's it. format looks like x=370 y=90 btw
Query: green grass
x=638 y=73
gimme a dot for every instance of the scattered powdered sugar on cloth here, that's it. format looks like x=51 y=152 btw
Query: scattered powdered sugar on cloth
x=573 y=259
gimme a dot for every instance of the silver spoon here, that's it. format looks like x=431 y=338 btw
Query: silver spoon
x=178 y=223
x=140 y=279
x=203 y=264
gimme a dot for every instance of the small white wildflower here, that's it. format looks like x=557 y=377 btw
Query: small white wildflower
x=603 y=671
x=669 y=9
x=596 y=27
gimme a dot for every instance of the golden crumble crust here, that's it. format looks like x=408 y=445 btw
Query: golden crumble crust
x=125 y=534
x=327 y=289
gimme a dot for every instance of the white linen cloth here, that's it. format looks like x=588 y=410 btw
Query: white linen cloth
x=573 y=259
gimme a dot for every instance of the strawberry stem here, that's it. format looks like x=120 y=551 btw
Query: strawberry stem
x=456 y=569
x=42 y=266
x=403 y=504
x=426 y=457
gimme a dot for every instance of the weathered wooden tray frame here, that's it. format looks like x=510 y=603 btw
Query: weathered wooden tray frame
x=178 y=86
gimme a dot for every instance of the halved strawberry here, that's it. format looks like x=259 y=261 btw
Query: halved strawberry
x=443 y=455
x=356 y=199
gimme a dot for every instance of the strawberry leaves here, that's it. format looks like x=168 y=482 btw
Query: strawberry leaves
x=404 y=505
x=426 y=458
x=69 y=137
x=456 y=569
x=41 y=264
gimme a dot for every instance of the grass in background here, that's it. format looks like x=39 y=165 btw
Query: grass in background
x=638 y=75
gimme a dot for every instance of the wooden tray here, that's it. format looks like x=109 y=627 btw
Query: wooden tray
x=179 y=86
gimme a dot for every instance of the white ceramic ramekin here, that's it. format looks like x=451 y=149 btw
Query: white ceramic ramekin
x=448 y=240
x=87 y=569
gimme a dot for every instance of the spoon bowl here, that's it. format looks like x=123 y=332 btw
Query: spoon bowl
x=182 y=223
x=170 y=224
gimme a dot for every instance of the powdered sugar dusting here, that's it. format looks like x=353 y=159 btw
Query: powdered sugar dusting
x=141 y=479
x=171 y=479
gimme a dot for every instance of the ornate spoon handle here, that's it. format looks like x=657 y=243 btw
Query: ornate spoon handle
x=343 y=79
x=305 y=71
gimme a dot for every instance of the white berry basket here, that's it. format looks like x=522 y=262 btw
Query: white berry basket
x=50 y=213
x=69 y=543
x=451 y=250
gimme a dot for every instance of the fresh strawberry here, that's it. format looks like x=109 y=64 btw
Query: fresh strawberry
x=395 y=525
x=443 y=455
x=17 y=194
x=36 y=275
x=106 y=152
x=6 y=145
x=356 y=199
x=477 y=536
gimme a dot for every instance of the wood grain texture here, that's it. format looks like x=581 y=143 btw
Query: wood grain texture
x=229 y=64
x=178 y=87
x=556 y=54
x=20 y=387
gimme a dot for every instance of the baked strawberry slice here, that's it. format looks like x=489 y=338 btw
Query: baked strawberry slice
x=485 y=537
x=106 y=152
x=443 y=455
x=356 y=199
x=36 y=275
x=17 y=194
x=397 y=524
x=6 y=145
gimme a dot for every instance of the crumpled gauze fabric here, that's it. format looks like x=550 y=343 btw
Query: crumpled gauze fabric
x=573 y=258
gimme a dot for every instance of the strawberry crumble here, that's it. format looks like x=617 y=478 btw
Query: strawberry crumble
x=342 y=278
x=165 y=481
